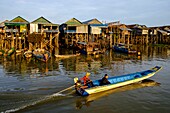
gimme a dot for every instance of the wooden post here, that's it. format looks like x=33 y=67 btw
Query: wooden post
x=30 y=46
x=12 y=36
x=146 y=39
x=20 y=45
x=51 y=36
x=57 y=39
x=2 y=43
x=111 y=40
x=124 y=38
x=128 y=39
x=24 y=41
x=66 y=39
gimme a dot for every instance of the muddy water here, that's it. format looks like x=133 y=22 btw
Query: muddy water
x=28 y=85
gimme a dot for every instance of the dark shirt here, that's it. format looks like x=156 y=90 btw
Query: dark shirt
x=104 y=81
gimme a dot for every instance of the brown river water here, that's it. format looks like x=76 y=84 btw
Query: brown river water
x=31 y=86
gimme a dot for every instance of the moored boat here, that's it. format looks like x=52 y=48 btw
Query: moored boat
x=118 y=81
x=90 y=48
x=124 y=48
x=66 y=56
x=41 y=55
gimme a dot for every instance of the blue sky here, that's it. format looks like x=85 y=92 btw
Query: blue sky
x=147 y=12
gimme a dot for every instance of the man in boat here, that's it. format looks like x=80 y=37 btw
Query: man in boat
x=78 y=85
x=87 y=81
x=104 y=80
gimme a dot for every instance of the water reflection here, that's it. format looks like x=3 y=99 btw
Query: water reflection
x=86 y=101
x=33 y=77
x=17 y=64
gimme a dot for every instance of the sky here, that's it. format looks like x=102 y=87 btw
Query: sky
x=144 y=12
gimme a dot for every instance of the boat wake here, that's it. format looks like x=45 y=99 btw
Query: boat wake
x=39 y=101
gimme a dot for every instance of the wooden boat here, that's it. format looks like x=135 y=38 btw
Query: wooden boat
x=19 y=52
x=124 y=48
x=118 y=81
x=90 y=48
x=28 y=54
x=67 y=56
x=91 y=98
x=9 y=52
x=41 y=55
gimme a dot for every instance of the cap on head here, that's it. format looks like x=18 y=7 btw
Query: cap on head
x=87 y=74
x=105 y=75
x=76 y=80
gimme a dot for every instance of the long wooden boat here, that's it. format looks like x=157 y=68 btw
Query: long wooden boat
x=124 y=49
x=67 y=56
x=118 y=81
x=93 y=97
x=41 y=55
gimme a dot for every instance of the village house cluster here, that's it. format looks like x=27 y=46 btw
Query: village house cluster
x=42 y=33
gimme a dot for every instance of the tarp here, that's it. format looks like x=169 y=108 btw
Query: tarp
x=23 y=28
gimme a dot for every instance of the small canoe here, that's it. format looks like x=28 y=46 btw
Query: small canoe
x=118 y=81
x=67 y=56
x=28 y=54
x=41 y=54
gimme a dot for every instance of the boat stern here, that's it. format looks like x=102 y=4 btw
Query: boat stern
x=82 y=92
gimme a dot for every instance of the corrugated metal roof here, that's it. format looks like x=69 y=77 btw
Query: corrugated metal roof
x=92 y=21
x=162 y=31
x=73 y=22
x=99 y=25
x=114 y=23
x=125 y=29
x=19 y=19
x=41 y=20
x=168 y=30
x=2 y=24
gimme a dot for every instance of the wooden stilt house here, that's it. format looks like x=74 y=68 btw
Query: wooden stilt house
x=42 y=31
x=139 y=33
x=74 y=32
x=159 y=35
x=16 y=31
x=121 y=33
x=95 y=29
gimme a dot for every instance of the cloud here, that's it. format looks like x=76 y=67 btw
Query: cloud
x=127 y=11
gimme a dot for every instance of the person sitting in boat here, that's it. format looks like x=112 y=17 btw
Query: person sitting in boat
x=78 y=85
x=87 y=81
x=104 y=80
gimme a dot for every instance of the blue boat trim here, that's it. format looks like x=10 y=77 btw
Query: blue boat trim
x=121 y=79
